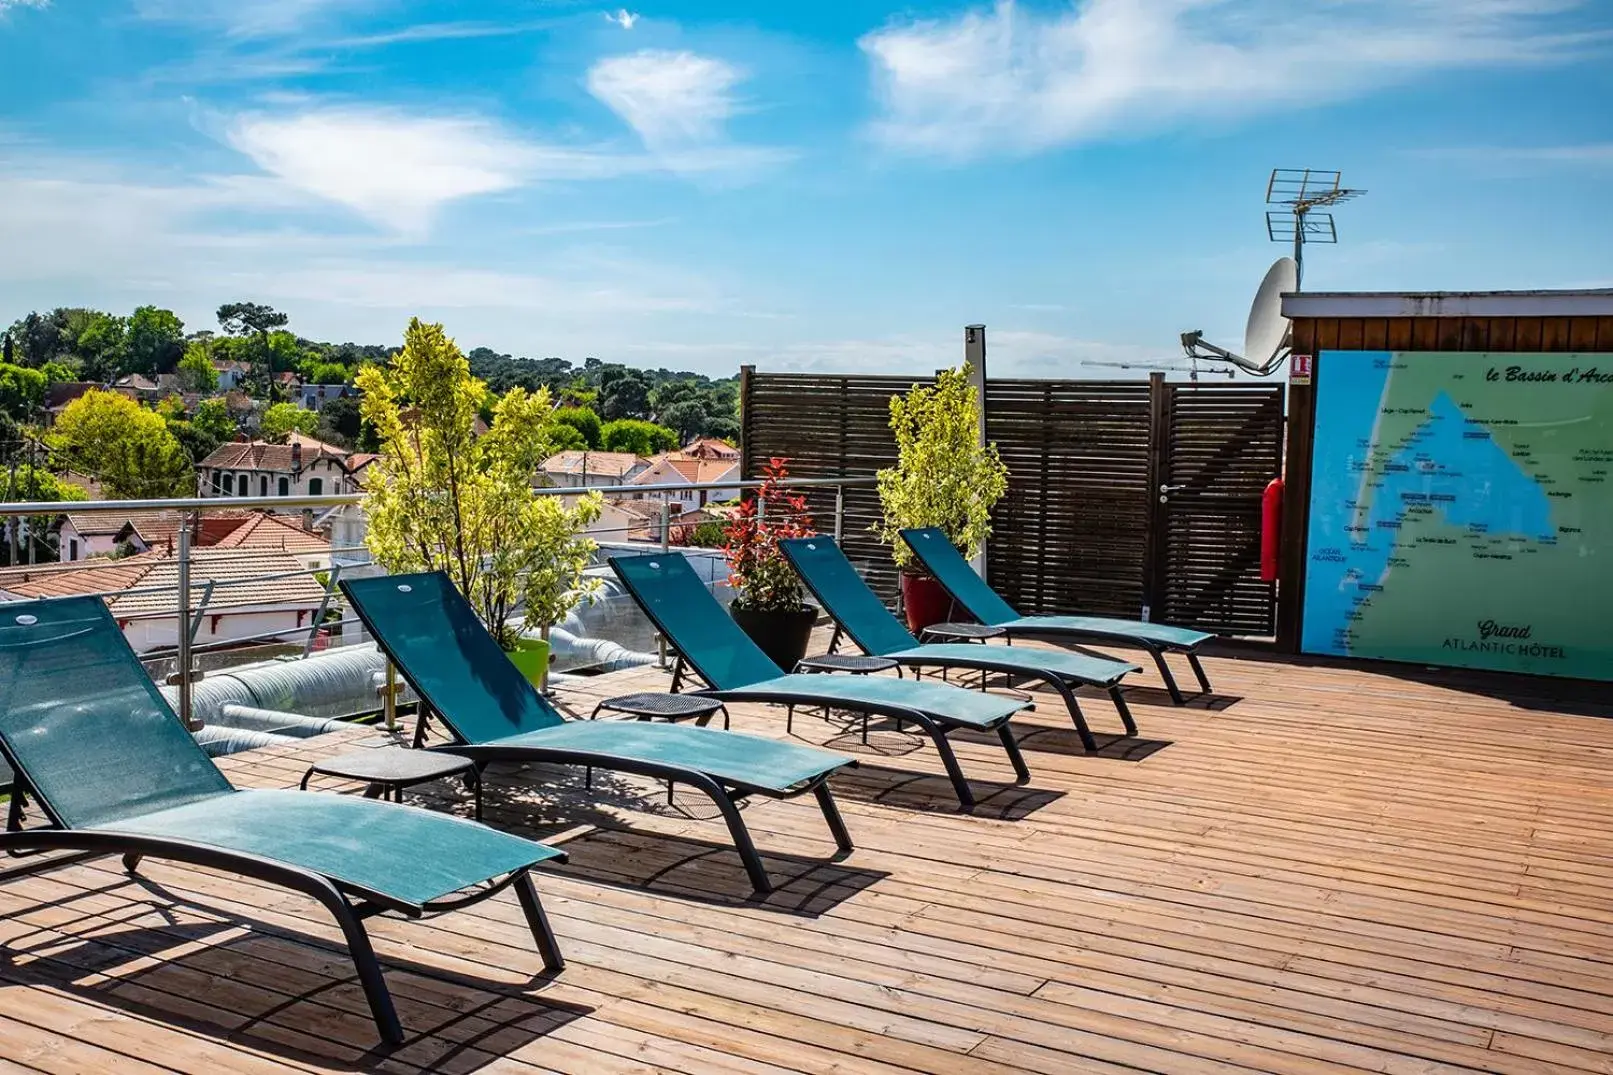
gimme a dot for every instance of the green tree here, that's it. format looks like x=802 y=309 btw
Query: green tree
x=101 y=344
x=316 y=371
x=585 y=422
x=212 y=417
x=156 y=341
x=125 y=447
x=22 y=392
x=340 y=420
x=942 y=476
x=284 y=351
x=638 y=437
x=623 y=393
x=442 y=498
x=56 y=372
x=250 y=319
x=281 y=420
x=566 y=438
x=196 y=372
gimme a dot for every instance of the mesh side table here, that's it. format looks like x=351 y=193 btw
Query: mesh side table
x=673 y=707
x=388 y=770
x=855 y=664
x=960 y=632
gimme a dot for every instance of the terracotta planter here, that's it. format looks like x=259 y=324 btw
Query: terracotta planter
x=783 y=636
x=924 y=602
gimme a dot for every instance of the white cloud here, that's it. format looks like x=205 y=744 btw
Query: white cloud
x=1012 y=78
x=622 y=17
x=669 y=98
x=391 y=167
x=398 y=170
x=246 y=18
x=7 y=5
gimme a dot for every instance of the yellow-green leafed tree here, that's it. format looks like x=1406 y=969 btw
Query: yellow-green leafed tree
x=442 y=498
x=942 y=476
x=125 y=447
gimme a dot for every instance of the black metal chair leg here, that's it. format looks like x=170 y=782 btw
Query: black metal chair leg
x=725 y=718
x=1076 y=715
x=369 y=969
x=1022 y=771
x=1119 y=699
x=831 y=815
x=1170 y=680
x=741 y=835
x=1198 y=670
x=949 y=759
x=548 y=947
x=131 y=861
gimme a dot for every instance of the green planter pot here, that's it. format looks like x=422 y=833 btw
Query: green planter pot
x=531 y=656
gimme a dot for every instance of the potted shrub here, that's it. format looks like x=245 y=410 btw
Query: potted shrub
x=441 y=498
x=556 y=582
x=769 y=605
x=942 y=477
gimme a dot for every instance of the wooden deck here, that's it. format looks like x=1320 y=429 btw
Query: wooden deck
x=1318 y=869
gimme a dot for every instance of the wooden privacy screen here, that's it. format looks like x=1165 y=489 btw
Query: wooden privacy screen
x=828 y=427
x=1069 y=536
x=1083 y=527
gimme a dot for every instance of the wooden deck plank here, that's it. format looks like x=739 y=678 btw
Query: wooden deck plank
x=1321 y=869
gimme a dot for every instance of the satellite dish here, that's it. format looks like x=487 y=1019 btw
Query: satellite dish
x=1265 y=338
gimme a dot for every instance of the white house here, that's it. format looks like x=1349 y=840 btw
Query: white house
x=255 y=468
x=676 y=469
x=577 y=469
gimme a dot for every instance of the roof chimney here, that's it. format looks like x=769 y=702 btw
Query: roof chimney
x=308 y=519
x=296 y=456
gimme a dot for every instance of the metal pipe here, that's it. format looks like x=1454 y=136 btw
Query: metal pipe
x=182 y=622
x=338 y=499
x=840 y=511
x=324 y=604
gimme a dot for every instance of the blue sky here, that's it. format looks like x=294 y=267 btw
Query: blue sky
x=829 y=186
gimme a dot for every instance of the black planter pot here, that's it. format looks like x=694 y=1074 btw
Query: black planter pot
x=783 y=636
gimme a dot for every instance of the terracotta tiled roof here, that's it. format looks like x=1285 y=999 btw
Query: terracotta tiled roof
x=249 y=455
x=265 y=531
x=610 y=464
x=259 y=455
x=710 y=448
x=315 y=444
x=693 y=471
x=642 y=509
x=64 y=392
x=160 y=570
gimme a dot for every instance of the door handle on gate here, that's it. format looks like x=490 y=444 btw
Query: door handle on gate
x=1168 y=489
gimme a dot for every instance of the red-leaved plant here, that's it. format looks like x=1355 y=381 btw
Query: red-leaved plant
x=764 y=579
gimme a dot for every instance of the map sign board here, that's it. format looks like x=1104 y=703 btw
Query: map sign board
x=1462 y=511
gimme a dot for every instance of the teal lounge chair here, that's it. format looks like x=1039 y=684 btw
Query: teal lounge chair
x=735 y=668
x=436 y=641
x=868 y=623
x=108 y=763
x=941 y=559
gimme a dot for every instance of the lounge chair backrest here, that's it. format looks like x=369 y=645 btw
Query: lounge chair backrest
x=82 y=722
x=436 y=641
x=693 y=620
x=833 y=580
x=942 y=559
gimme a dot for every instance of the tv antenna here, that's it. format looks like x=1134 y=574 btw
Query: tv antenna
x=1193 y=371
x=1302 y=192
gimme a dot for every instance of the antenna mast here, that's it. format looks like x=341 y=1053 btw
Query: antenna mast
x=1300 y=192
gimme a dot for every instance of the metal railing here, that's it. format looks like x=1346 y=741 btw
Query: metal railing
x=189 y=611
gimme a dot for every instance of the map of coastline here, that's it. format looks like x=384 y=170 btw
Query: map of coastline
x=1462 y=510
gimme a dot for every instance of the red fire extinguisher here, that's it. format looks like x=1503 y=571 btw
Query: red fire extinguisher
x=1271 y=529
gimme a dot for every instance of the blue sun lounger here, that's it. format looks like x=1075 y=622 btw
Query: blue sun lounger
x=941 y=559
x=97 y=748
x=735 y=668
x=865 y=619
x=432 y=635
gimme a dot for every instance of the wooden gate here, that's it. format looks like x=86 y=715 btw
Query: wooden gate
x=1138 y=499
